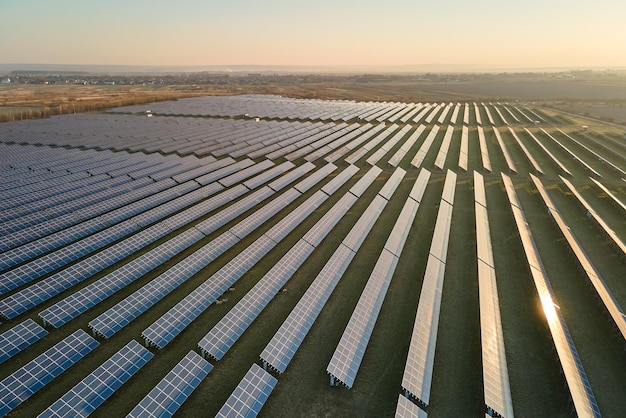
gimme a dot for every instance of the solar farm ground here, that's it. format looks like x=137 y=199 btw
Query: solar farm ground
x=537 y=383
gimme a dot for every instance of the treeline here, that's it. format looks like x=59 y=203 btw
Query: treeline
x=84 y=106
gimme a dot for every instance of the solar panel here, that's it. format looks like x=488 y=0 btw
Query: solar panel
x=417 y=192
x=281 y=349
x=417 y=377
x=400 y=232
x=577 y=381
x=392 y=184
x=354 y=157
x=482 y=142
x=250 y=395
x=19 y=337
x=169 y=325
x=125 y=311
x=421 y=153
x=479 y=189
x=224 y=171
x=464 y=151
x=19 y=386
x=25 y=299
x=527 y=153
x=174 y=389
x=93 y=390
x=228 y=330
x=290 y=221
x=87 y=297
x=263 y=214
x=360 y=186
x=406 y=147
x=497 y=391
x=552 y=156
x=439 y=244
x=162 y=331
x=407 y=409
x=243 y=174
x=612 y=196
x=269 y=175
x=448 y=187
x=232 y=210
x=505 y=152
x=292 y=176
x=387 y=146
x=357 y=234
x=340 y=179
x=314 y=178
x=349 y=353
x=571 y=154
x=592 y=213
x=321 y=229
x=440 y=160
x=609 y=301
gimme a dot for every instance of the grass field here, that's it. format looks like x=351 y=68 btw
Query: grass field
x=537 y=384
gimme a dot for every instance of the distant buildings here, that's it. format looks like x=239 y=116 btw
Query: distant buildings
x=5 y=80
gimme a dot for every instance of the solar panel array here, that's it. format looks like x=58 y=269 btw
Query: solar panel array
x=417 y=377
x=19 y=337
x=606 y=296
x=249 y=396
x=93 y=390
x=496 y=385
x=34 y=375
x=283 y=346
x=169 y=325
x=349 y=353
x=621 y=246
x=123 y=211
x=577 y=381
x=174 y=389
x=225 y=333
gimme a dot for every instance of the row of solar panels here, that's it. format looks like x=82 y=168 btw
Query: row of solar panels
x=255 y=106
x=578 y=384
x=58 y=223
x=238 y=178
x=168 y=135
x=394 y=180
x=315 y=143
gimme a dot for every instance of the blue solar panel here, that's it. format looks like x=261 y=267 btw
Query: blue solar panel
x=27 y=380
x=226 y=332
x=79 y=302
x=174 y=389
x=250 y=395
x=96 y=388
x=22 y=301
x=134 y=305
x=19 y=337
x=168 y=326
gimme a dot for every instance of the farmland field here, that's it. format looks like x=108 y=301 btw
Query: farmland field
x=99 y=196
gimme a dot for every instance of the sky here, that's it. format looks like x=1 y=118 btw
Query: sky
x=481 y=33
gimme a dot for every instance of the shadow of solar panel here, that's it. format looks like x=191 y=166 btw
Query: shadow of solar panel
x=174 y=389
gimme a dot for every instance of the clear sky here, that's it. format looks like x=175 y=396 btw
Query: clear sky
x=505 y=34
